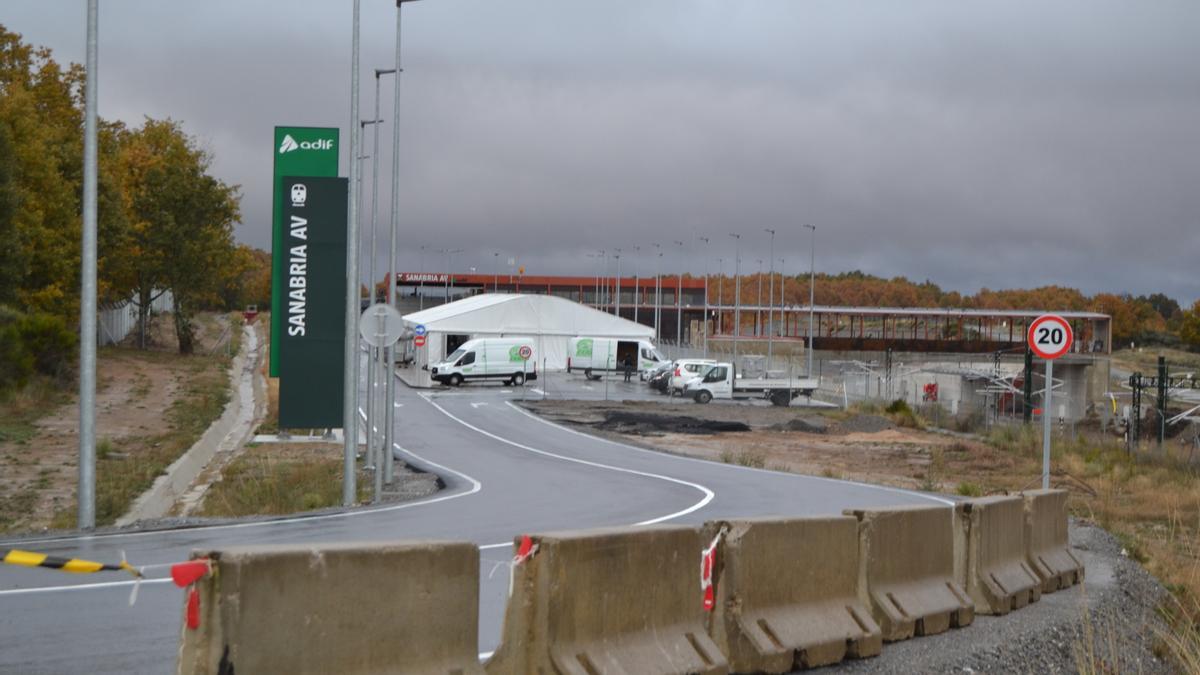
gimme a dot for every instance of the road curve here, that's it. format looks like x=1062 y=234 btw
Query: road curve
x=507 y=472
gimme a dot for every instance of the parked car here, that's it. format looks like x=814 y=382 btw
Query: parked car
x=660 y=377
x=487 y=359
x=686 y=369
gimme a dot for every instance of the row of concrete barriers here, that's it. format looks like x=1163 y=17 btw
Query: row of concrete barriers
x=782 y=593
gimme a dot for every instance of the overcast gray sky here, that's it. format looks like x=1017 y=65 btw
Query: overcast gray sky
x=998 y=143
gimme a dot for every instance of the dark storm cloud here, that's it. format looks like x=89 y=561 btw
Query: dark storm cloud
x=976 y=144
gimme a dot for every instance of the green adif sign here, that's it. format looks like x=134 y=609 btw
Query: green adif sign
x=313 y=308
x=299 y=151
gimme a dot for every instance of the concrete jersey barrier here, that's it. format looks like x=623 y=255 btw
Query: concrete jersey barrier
x=365 y=608
x=1049 y=551
x=906 y=571
x=608 y=601
x=786 y=594
x=994 y=570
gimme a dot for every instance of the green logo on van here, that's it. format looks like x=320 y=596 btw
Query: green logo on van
x=584 y=348
x=514 y=354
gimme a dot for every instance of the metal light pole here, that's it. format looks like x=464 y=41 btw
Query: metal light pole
x=812 y=284
x=495 y=271
x=449 y=252
x=782 y=318
x=87 y=292
x=375 y=363
x=758 y=302
x=658 y=294
x=637 y=284
x=737 y=294
x=705 y=240
x=771 y=301
x=421 y=273
x=720 y=294
x=617 y=308
x=350 y=353
x=389 y=414
x=679 y=299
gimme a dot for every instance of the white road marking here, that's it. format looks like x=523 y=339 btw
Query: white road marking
x=83 y=587
x=476 y=404
x=708 y=494
x=476 y=486
x=539 y=392
x=738 y=467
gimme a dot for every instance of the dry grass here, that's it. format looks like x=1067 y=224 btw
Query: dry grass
x=270 y=480
x=1150 y=500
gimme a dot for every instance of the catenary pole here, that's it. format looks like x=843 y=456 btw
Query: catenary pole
x=350 y=353
x=87 y=300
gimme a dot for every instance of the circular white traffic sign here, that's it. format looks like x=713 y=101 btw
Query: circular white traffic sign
x=1050 y=336
x=419 y=329
x=380 y=325
x=525 y=352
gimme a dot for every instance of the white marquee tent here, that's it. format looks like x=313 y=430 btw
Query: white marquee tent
x=551 y=322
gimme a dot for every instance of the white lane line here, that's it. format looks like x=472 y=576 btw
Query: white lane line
x=476 y=486
x=537 y=391
x=708 y=494
x=82 y=587
x=885 y=488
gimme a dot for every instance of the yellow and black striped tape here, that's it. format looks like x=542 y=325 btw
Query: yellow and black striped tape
x=31 y=559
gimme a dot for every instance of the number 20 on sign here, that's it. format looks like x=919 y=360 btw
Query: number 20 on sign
x=1049 y=337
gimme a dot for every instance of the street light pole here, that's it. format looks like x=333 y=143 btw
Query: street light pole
x=420 y=279
x=705 y=240
x=350 y=349
x=449 y=252
x=86 y=516
x=812 y=284
x=617 y=309
x=679 y=299
x=758 y=302
x=496 y=271
x=737 y=294
x=637 y=284
x=658 y=292
x=720 y=294
x=771 y=301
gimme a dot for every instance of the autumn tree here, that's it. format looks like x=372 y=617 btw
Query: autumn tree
x=180 y=223
x=1189 y=328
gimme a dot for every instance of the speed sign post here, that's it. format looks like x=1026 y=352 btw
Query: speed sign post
x=1049 y=337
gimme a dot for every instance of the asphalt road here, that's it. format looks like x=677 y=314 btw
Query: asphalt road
x=506 y=471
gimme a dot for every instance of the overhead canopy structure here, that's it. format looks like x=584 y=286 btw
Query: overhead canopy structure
x=551 y=322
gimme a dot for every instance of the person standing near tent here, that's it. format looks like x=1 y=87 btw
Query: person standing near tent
x=628 y=368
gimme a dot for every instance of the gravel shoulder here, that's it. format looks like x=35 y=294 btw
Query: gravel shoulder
x=1107 y=624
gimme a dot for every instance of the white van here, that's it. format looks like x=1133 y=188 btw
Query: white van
x=608 y=354
x=488 y=359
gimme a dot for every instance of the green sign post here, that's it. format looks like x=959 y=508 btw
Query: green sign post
x=299 y=151
x=312 y=335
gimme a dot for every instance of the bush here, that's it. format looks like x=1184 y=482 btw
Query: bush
x=898 y=407
x=34 y=343
x=51 y=345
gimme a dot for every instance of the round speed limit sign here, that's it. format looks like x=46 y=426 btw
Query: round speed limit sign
x=1050 y=336
x=525 y=352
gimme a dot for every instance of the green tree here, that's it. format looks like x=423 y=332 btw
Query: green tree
x=1189 y=328
x=180 y=223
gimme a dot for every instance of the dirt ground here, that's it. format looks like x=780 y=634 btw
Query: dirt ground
x=134 y=393
x=866 y=448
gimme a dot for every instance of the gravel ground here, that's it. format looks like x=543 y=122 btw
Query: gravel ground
x=1107 y=624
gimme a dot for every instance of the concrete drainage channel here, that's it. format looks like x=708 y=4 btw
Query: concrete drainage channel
x=774 y=594
x=231 y=430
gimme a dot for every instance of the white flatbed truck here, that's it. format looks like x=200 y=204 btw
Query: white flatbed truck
x=722 y=381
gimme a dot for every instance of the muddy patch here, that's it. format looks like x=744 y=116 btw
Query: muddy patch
x=647 y=424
